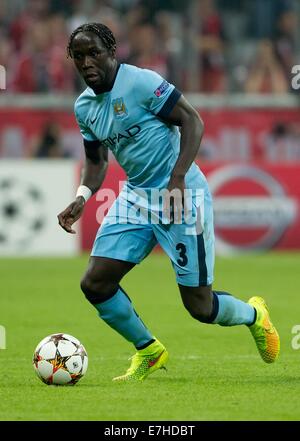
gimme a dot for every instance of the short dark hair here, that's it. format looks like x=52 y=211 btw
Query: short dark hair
x=103 y=32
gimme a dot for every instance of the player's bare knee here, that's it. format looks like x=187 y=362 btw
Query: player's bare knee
x=200 y=311
x=198 y=302
x=85 y=285
x=201 y=315
x=97 y=289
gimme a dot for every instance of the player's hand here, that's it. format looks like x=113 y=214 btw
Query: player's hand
x=174 y=199
x=71 y=214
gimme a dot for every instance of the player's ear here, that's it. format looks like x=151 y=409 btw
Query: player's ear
x=112 y=53
x=70 y=53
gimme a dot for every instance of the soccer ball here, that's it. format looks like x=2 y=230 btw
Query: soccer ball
x=60 y=359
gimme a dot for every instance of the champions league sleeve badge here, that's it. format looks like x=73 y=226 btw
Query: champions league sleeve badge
x=162 y=88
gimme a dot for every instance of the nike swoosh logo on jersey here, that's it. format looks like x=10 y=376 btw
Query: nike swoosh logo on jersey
x=182 y=274
x=93 y=120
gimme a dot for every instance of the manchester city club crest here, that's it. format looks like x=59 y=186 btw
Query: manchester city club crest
x=119 y=108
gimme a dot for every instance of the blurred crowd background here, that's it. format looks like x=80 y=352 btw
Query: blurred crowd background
x=208 y=46
x=221 y=53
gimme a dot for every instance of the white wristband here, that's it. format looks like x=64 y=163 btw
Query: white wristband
x=84 y=191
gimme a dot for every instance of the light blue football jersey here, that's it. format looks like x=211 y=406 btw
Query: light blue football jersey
x=128 y=120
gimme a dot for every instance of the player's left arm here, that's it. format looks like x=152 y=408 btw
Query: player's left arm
x=192 y=128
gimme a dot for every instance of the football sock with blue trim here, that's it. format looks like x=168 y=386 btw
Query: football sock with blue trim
x=229 y=311
x=119 y=314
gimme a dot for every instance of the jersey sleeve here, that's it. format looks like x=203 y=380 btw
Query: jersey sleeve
x=85 y=131
x=154 y=93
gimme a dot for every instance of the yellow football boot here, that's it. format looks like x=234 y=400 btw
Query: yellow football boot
x=264 y=332
x=145 y=362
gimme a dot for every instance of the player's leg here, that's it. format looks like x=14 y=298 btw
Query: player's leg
x=219 y=307
x=222 y=308
x=192 y=254
x=100 y=285
x=117 y=248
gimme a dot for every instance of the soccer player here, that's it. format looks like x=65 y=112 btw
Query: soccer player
x=136 y=114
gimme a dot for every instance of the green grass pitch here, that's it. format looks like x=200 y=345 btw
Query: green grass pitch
x=214 y=373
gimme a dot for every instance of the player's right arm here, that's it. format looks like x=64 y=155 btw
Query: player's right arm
x=94 y=171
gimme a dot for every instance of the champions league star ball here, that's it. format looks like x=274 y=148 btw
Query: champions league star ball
x=60 y=359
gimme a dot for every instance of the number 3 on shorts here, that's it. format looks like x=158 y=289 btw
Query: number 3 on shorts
x=182 y=254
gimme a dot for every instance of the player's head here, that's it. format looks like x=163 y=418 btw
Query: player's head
x=92 y=46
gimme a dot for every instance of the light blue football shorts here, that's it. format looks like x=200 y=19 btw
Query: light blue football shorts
x=132 y=228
